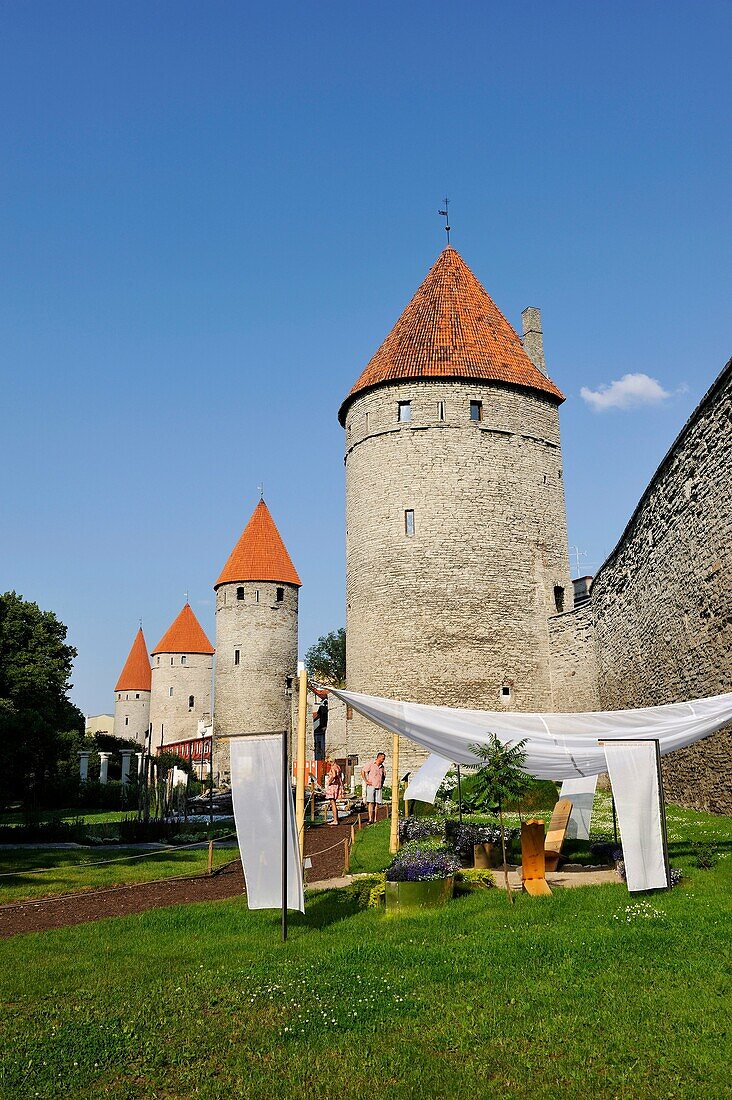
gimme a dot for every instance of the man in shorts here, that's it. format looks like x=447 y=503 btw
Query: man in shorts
x=373 y=775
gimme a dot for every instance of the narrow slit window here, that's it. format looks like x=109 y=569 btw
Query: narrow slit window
x=559 y=597
x=170 y=693
x=476 y=411
x=191 y=701
x=183 y=659
x=409 y=522
x=256 y=596
x=172 y=659
x=127 y=721
x=440 y=410
x=280 y=595
x=367 y=421
x=137 y=695
x=236 y=656
x=240 y=593
x=404 y=411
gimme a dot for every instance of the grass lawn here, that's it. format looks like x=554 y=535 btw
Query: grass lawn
x=92 y=817
x=589 y=993
x=72 y=871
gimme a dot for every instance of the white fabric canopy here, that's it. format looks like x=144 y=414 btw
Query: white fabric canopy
x=633 y=770
x=559 y=746
x=581 y=793
x=256 y=791
x=425 y=783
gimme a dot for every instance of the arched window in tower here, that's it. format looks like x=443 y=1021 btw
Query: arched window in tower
x=404 y=411
x=559 y=598
x=240 y=593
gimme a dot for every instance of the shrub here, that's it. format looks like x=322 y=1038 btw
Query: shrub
x=462 y=837
x=704 y=857
x=471 y=879
x=418 y=862
x=413 y=828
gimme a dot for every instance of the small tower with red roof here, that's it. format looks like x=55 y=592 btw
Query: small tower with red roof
x=256 y=635
x=132 y=693
x=182 y=673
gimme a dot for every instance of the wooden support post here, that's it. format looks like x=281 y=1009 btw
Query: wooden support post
x=312 y=801
x=210 y=857
x=346 y=856
x=360 y=823
x=394 y=831
x=353 y=834
x=302 y=713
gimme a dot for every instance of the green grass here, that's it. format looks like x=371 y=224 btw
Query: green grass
x=92 y=817
x=72 y=870
x=587 y=993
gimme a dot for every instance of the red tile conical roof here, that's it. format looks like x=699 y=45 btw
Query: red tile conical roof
x=184 y=635
x=137 y=674
x=260 y=554
x=452 y=329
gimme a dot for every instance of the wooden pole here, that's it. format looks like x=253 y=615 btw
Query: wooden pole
x=302 y=713
x=312 y=800
x=394 y=833
x=346 y=856
x=210 y=857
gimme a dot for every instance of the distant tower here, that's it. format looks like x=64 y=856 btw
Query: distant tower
x=456 y=536
x=132 y=693
x=256 y=635
x=181 y=681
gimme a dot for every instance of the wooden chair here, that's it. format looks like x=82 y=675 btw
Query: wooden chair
x=556 y=833
x=532 y=859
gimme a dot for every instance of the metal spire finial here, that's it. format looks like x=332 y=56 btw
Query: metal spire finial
x=187 y=600
x=260 y=487
x=444 y=214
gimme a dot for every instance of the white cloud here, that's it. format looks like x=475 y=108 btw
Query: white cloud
x=628 y=392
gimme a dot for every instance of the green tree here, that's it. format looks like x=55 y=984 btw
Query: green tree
x=500 y=779
x=326 y=660
x=40 y=727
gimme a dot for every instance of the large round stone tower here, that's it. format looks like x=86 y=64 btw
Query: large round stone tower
x=132 y=693
x=256 y=636
x=181 y=681
x=456 y=536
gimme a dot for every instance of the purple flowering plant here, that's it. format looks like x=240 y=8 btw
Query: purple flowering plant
x=420 y=862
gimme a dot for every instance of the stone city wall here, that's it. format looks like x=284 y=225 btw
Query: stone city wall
x=574 y=660
x=663 y=600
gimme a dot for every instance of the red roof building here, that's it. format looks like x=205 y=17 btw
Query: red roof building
x=260 y=554
x=184 y=635
x=452 y=329
x=136 y=675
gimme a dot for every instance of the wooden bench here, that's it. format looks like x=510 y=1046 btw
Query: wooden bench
x=532 y=859
x=556 y=833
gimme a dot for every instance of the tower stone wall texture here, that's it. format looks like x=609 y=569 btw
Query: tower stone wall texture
x=175 y=678
x=459 y=611
x=662 y=602
x=132 y=714
x=250 y=693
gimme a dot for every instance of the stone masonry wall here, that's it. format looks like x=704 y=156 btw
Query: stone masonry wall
x=250 y=696
x=455 y=613
x=170 y=715
x=132 y=714
x=663 y=599
x=574 y=660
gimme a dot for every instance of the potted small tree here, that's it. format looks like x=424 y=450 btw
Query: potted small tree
x=420 y=877
x=500 y=779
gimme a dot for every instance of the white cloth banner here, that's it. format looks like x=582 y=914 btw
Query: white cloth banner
x=559 y=746
x=256 y=791
x=424 y=784
x=581 y=793
x=633 y=771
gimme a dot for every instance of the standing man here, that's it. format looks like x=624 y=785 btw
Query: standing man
x=373 y=775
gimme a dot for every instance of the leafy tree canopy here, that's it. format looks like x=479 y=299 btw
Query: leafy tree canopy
x=38 y=722
x=500 y=778
x=326 y=660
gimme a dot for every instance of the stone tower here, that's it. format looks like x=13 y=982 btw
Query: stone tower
x=256 y=635
x=181 y=681
x=132 y=693
x=456 y=535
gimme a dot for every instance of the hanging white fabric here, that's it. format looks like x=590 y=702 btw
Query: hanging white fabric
x=256 y=790
x=559 y=746
x=633 y=770
x=425 y=783
x=581 y=793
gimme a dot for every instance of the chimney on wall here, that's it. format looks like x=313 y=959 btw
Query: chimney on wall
x=533 y=338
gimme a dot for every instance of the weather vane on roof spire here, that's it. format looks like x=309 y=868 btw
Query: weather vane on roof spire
x=187 y=600
x=444 y=214
x=260 y=487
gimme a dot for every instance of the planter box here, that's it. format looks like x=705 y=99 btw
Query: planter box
x=410 y=896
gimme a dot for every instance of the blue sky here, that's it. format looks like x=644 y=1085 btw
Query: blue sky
x=211 y=215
